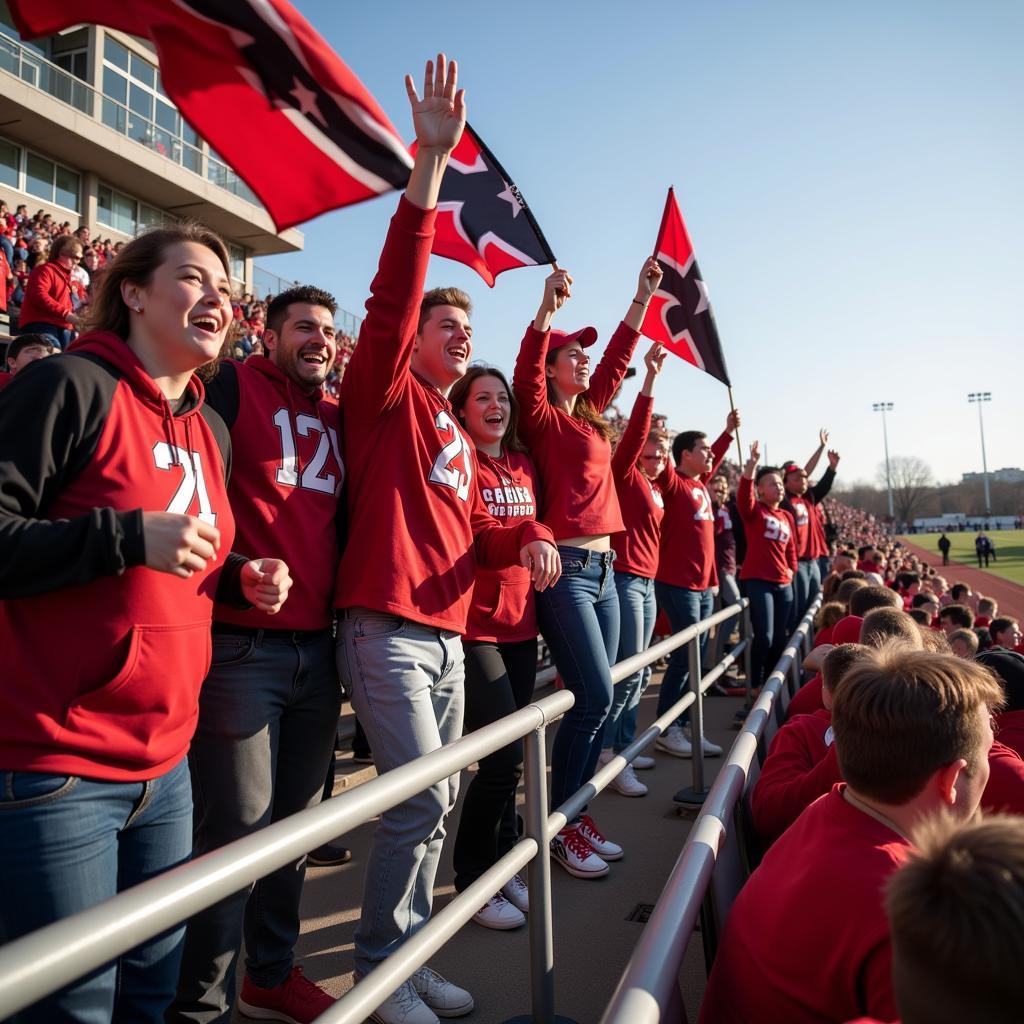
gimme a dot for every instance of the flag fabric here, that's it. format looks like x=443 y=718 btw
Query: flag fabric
x=679 y=315
x=482 y=218
x=257 y=82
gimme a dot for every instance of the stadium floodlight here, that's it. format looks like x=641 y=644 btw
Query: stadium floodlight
x=883 y=408
x=978 y=397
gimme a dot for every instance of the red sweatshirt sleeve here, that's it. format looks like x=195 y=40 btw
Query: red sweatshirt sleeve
x=609 y=373
x=876 y=975
x=790 y=781
x=718 y=450
x=379 y=368
x=791 y=557
x=634 y=437
x=530 y=386
x=498 y=546
x=745 y=500
x=38 y=290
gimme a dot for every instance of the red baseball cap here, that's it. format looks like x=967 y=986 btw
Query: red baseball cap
x=847 y=631
x=586 y=336
x=791 y=467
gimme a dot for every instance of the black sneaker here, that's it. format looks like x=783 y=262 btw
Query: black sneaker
x=329 y=855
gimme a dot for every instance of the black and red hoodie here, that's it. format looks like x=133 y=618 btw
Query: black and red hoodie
x=102 y=658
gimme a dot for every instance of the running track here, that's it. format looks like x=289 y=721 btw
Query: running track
x=1009 y=595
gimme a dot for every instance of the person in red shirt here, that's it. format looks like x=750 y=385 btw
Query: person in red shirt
x=115 y=529
x=562 y=403
x=954 y=911
x=500 y=642
x=417 y=526
x=268 y=710
x=47 y=307
x=912 y=733
x=638 y=460
x=1008 y=667
x=687 y=576
x=770 y=562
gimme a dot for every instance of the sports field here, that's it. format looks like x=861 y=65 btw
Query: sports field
x=1009 y=546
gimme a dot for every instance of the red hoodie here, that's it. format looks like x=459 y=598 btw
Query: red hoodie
x=47 y=296
x=771 y=551
x=102 y=658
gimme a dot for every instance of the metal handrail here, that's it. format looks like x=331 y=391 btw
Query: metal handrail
x=649 y=984
x=50 y=958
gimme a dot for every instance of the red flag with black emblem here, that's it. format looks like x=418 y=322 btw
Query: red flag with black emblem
x=680 y=315
x=482 y=218
x=321 y=139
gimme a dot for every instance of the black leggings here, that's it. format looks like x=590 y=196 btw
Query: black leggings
x=499 y=680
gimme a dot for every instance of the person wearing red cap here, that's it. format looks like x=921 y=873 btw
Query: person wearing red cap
x=561 y=404
x=770 y=564
x=800 y=501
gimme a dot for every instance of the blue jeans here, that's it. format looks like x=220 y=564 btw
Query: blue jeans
x=770 y=606
x=824 y=568
x=68 y=843
x=407 y=689
x=268 y=714
x=579 y=617
x=683 y=608
x=637 y=612
x=61 y=336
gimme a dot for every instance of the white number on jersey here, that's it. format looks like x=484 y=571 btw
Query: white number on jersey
x=703 y=504
x=310 y=479
x=776 y=529
x=444 y=471
x=193 y=483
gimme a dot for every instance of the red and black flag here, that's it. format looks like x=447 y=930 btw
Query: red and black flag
x=257 y=82
x=482 y=218
x=680 y=315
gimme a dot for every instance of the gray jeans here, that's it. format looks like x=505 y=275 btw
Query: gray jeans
x=407 y=684
x=728 y=593
x=268 y=713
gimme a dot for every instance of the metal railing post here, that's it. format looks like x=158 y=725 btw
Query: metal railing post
x=695 y=793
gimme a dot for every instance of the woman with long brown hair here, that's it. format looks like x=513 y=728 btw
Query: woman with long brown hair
x=114 y=537
x=500 y=642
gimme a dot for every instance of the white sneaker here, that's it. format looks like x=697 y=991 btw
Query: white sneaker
x=674 y=742
x=627 y=783
x=499 y=914
x=604 y=848
x=404 y=1006
x=516 y=892
x=642 y=762
x=710 y=749
x=576 y=855
x=605 y=756
x=440 y=995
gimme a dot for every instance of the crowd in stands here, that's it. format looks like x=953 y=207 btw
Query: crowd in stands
x=407 y=522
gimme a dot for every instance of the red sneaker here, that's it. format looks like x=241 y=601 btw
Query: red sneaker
x=295 y=1001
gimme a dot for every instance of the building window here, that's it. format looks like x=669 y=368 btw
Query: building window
x=34 y=175
x=74 y=62
x=236 y=259
x=125 y=214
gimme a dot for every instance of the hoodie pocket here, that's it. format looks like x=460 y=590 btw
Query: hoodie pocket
x=146 y=712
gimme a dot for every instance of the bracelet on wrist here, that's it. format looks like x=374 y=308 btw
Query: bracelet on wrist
x=643 y=305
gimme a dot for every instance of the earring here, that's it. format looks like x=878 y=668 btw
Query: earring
x=138 y=309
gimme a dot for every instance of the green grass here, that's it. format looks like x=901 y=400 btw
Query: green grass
x=1009 y=550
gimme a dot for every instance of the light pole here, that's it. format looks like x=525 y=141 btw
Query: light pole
x=979 y=397
x=883 y=408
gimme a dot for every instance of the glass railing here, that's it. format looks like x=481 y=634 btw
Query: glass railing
x=37 y=71
x=265 y=283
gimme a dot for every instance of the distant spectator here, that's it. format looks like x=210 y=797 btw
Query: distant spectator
x=988 y=609
x=955 y=616
x=47 y=307
x=1005 y=632
x=963 y=643
x=944 y=545
x=25 y=349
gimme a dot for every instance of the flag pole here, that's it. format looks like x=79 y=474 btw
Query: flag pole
x=739 y=447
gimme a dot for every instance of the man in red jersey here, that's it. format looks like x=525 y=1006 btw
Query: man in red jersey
x=912 y=734
x=417 y=524
x=686 y=578
x=268 y=709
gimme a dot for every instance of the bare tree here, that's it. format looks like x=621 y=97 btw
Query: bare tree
x=913 y=488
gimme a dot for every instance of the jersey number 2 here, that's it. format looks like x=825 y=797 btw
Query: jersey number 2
x=444 y=471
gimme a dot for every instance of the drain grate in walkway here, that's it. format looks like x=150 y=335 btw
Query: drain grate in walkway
x=640 y=913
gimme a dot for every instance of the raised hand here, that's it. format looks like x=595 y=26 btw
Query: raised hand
x=823 y=437
x=650 y=277
x=440 y=115
x=557 y=290
x=655 y=359
x=833 y=458
x=755 y=458
x=732 y=421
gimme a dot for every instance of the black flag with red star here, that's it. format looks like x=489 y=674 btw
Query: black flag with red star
x=482 y=218
x=680 y=315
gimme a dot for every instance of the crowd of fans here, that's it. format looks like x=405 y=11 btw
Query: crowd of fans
x=207 y=619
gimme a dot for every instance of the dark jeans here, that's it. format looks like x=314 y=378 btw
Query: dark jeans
x=68 y=843
x=806 y=584
x=770 y=605
x=683 y=608
x=499 y=681
x=61 y=335
x=579 y=617
x=728 y=593
x=637 y=614
x=268 y=714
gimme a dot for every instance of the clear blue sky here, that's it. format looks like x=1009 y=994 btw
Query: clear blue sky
x=851 y=176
